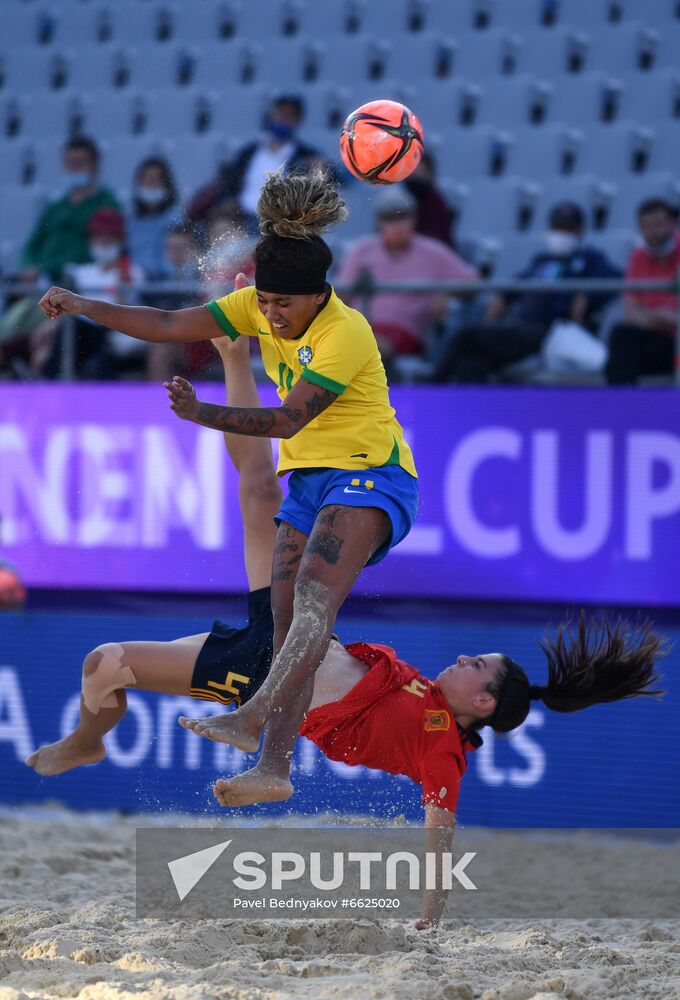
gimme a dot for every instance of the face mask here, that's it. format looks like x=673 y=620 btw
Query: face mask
x=104 y=253
x=80 y=179
x=284 y=133
x=151 y=196
x=661 y=249
x=560 y=244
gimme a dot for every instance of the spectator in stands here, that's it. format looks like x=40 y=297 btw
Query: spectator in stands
x=180 y=265
x=230 y=251
x=644 y=344
x=434 y=217
x=398 y=254
x=515 y=326
x=154 y=210
x=102 y=353
x=60 y=236
x=180 y=256
x=240 y=179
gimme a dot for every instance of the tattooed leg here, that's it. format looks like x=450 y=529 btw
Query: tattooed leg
x=242 y=729
x=342 y=541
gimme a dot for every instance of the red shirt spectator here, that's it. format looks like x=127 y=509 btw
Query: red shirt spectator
x=644 y=344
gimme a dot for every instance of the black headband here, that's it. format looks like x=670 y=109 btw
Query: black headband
x=280 y=279
x=514 y=699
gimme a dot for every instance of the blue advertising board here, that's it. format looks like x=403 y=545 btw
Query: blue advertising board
x=616 y=765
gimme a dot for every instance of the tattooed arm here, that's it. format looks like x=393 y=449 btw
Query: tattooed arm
x=303 y=403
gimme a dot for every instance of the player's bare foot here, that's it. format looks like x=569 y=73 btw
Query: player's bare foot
x=232 y=727
x=55 y=758
x=256 y=785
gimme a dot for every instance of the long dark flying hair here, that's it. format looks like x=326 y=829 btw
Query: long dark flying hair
x=589 y=663
x=599 y=662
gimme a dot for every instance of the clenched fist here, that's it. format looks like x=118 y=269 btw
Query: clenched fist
x=60 y=302
x=182 y=398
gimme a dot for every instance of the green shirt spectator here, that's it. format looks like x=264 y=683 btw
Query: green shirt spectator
x=60 y=237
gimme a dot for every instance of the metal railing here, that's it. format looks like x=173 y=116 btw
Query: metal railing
x=366 y=289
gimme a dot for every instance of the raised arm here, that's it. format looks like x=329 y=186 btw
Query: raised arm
x=303 y=403
x=439 y=826
x=141 y=322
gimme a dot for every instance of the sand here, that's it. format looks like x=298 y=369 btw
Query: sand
x=68 y=929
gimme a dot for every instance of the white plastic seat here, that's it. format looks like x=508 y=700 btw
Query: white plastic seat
x=27 y=67
x=483 y=54
x=621 y=49
x=20 y=24
x=666 y=145
x=19 y=208
x=654 y=97
x=546 y=152
x=612 y=151
x=508 y=102
x=586 y=99
x=498 y=207
x=238 y=111
x=554 y=52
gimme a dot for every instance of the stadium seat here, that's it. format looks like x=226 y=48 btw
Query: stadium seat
x=515 y=101
x=450 y=18
x=504 y=206
x=20 y=208
x=617 y=149
x=54 y=114
x=194 y=160
x=466 y=154
x=664 y=154
x=556 y=51
x=238 y=112
x=21 y=24
x=480 y=54
x=585 y=99
x=26 y=68
x=89 y=23
x=546 y=152
x=628 y=48
x=652 y=96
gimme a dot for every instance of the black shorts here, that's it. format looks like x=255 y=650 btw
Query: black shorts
x=234 y=662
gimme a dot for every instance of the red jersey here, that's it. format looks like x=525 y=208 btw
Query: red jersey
x=395 y=720
x=644 y=266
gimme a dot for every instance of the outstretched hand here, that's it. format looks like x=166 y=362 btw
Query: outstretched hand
x=61 y=302
x=225 y=345
x=182 y=397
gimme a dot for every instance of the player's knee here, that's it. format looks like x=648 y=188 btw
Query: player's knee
x=105 y=671
x=260 y=487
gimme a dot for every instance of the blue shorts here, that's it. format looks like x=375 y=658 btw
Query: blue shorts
x=390 y=488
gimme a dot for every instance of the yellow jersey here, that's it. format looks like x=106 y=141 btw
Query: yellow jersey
x=338 y=352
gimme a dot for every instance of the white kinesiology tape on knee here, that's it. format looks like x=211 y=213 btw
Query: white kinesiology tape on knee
x=106 y=676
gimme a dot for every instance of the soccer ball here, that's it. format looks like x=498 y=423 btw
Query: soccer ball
x=381 y=142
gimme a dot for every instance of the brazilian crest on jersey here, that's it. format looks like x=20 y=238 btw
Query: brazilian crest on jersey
x=305 y=355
